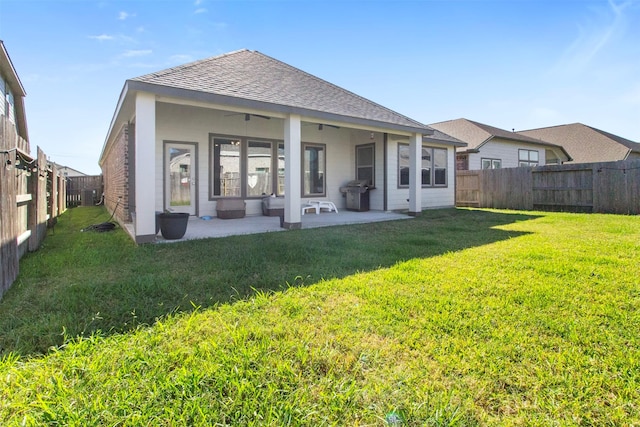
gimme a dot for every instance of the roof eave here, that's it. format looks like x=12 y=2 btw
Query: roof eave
x=206 y=97
x=12 y=77
x=445 y=141
x=114 y=120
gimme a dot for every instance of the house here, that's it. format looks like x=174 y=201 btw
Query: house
x=587 y=144
x=12 y=95
x=69 y=172
x=243 y=125
x=489 y=147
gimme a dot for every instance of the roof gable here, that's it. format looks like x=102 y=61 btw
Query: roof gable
x=253 y=76
x=477 y=134
x=586 y=144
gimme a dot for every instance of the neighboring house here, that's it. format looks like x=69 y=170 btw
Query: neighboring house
x=489 y=147
x=68 y=172
x=587 y=144
x=12 y=95
x=242 y=124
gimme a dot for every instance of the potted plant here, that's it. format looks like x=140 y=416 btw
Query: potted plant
x=173 y=225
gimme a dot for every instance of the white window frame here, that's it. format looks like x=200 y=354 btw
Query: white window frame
x=528 y=158
x=493 y=163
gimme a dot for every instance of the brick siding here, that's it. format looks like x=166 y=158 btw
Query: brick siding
x=115 y=170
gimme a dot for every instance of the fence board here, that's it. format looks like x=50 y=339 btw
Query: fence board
x=468 y=188
x=8 y=208
x=28 y=191
x=608 y=187
x=38 y=213
x=77 y=185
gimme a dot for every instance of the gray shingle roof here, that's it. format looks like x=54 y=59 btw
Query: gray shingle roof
x=443 y=137
x=585 y=143
x=250 y=75
x=476 y=134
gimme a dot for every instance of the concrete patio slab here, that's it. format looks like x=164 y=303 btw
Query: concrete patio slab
x=205 y=229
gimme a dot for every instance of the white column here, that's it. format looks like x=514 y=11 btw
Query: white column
x=292 y=172
x=415 y=174
x=145 y=164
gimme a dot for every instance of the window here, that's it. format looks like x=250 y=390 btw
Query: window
x=259 y=178
x=226 y=167
x=11 y=108
x=2 y=97
x=280 y=183
x=462 y=162
x=439 y=166
x=403 y=165
x=490 y=163
x=426 y=166
x=527 y=158
x=313 y=168
x=434 y=166
x=365 y=163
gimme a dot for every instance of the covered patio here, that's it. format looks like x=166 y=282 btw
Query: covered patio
x=199 y=228
x=240 y=126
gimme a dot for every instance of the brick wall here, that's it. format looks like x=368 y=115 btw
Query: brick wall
x=115 y=170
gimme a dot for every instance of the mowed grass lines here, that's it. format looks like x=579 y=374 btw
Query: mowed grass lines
x=536 y=325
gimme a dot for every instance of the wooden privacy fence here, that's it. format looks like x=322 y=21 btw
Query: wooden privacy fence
x=611 y=187
x=32 y=192
x=84 y=190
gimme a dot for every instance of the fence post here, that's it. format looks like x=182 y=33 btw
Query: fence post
x=39 y=203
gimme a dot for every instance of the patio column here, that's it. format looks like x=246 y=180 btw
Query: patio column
x=415 y=174
x=292 y=172
x=145 y=171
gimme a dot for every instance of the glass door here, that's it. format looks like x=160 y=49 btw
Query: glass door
x=180 y=177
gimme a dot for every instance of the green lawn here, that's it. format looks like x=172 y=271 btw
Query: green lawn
x=458 y=317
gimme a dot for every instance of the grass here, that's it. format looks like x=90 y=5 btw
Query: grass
x=458 y=317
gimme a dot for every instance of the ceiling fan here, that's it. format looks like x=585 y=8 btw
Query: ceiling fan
x=322 y=125
x=248 y=116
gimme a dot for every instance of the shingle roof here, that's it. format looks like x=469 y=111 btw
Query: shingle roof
x=476 y=134
x=443 y=137
x=585 y=143
x=251 y=75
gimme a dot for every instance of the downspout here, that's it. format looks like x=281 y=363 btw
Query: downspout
x=385 y=138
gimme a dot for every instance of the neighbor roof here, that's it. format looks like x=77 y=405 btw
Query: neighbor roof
x=477 y=134
x=443 y=137
x=586 y=144
x=248 y=78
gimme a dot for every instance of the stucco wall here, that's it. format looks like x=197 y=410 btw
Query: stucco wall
x=115 y=171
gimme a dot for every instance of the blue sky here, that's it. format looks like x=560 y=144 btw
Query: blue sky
x=514 y=64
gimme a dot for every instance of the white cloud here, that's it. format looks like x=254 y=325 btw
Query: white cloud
x=136 y=53
x=124 y=15
x=197 y=2
x=597 y=33
x=200 y=10
x=102 y=37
